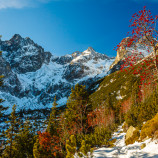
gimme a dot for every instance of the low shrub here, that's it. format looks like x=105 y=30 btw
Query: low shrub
x=102 y=136
x=125 y=127
x=111 y=143
x=149 y=128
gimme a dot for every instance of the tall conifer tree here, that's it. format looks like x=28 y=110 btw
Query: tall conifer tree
x=71 y=147
x=76 y=112
x=10 y=133
x=53 y=119
x=25 y=140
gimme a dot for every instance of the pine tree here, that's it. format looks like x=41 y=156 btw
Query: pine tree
x=134 y=112
x=25 y=140
x=47 y=146
x=48 y=143
x=71 y=147
x=76 y=112
x=148 y=108
x=85 y=148
x=10 y=134
x=109 y=101
x=36 y=146
x=53 y=122
x=101 y=135
x=136 y=93
x=40 y=152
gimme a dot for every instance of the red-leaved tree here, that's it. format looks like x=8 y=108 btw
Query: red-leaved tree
x=143 y=32
x=49 y=143
x=100 y=117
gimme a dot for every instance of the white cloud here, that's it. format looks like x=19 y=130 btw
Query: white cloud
x=4 y=4
x=20 y=3
x=13 y=3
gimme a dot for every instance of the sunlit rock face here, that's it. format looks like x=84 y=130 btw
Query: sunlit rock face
x=140 y=49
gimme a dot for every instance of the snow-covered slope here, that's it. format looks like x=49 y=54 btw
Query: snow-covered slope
x=33 y=77
x=130 y=151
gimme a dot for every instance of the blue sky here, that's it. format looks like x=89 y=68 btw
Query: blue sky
x=65 y=26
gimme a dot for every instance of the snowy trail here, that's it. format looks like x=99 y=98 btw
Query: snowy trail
x=131 y=151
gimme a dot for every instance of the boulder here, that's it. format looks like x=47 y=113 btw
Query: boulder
x=130 y=132
x=156 y=135
x=132 y=135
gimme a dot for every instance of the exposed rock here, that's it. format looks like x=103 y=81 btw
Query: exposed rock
x=23 y=54
x=134 y=50
x=155 y=135
x=143 y=146
x=132 y=135
x=11 y=83
x=33 y=77
x=121 y=52
x=130 y=132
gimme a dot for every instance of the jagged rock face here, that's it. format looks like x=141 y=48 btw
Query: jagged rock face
x=33 y=77
x=133 y=50
x=23 y=54
x=74 y=71
x=121 y=52
x=11 y=82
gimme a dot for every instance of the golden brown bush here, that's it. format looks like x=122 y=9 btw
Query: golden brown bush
x=111 y=143
x=149 y=128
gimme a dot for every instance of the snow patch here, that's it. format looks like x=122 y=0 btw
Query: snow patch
x=130 y=151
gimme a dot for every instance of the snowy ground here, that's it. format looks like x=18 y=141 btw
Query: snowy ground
x=130 y=151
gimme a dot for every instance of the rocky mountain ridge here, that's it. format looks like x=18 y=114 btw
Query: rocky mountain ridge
x=138 y=50
x=32 y=77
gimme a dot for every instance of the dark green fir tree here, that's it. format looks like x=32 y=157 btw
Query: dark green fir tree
x=71 y=147
x=77 y=108
x=10 y=135
x=53 y=119
x=25 y=140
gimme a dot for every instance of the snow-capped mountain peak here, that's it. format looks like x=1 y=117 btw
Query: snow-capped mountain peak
x=89 y=54
x=89 y=51
x=33 y=77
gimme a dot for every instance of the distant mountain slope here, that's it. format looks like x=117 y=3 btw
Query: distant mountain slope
x=33 y=77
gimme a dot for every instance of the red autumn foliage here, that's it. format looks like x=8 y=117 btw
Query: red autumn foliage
x=143 y=32
x=100 y=117
x=125 y=106
x=45 y=140
x=49 y=143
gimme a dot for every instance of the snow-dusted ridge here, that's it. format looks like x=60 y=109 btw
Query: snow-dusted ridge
x=33 y=77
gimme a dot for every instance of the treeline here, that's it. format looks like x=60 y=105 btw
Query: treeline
x=77 y=129
x=82 y=126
